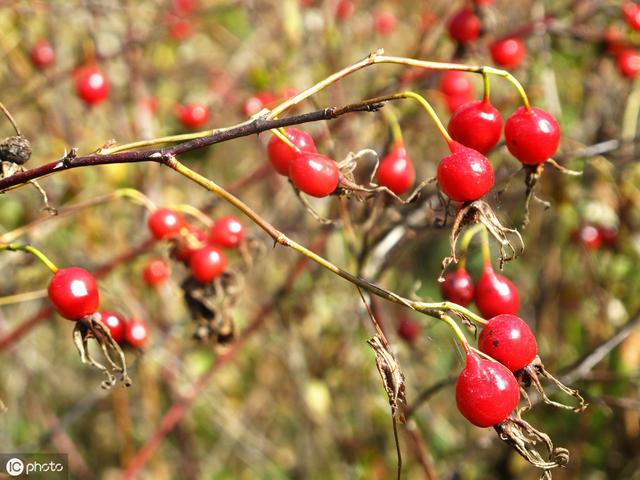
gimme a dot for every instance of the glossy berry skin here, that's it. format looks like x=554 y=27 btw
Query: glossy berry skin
x=137 y=333
x=396 y=171
x=227 y=232
x=486 y=391
x=476 y=125
x=496 y=294
x=508 y=52
x=509 y=340
x=116 y=324
x=207 y=263
x=408 y=330
x=464 y=26
x=532 y=135
x=74 y=293
x=465 y=175
x=42 y=54
x=458 y=287
x=589 y=236
x=281 y=155
x=631 y=13
x=165 y=223
x=91 y=85
x=193 y=115
x=187 y=245
x=314 y=174
x=629 y=63
x=156 y=272
x=385 y=22
x=456 y=88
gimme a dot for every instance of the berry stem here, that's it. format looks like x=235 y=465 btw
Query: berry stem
x=33 y=251
x=466 y=240
x=457 y=331
x=486 y=84
x=137 y=196
x=194 y=212
x=282 y=135
x=486 y=250
x=394 y=125
x=432 y=113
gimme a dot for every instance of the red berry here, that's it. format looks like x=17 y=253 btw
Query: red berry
x=281 y=155
x=116 y=324
x=613 y=40
x=532 y=135
x=508 y=52
x=74 y=293
x=156 y=272
x=193 y=115
x=345 y=10
x=629 y=63
x=385 y=22
x=509 y=340
x=91 y=85
x=457 y=89
x=631 y=13
x=408 y=329
x=495 y=294
x=396 y=171
x=458 y=287
x=476 y=125
x=609 y=236
x=314 y=174
x=227 y=232
x=165 y=223
x=464 y=26
x=207 y=263
x=465 y=175
x=183 y=7
x=137 y=333
x=42 y=54
x=187 y=245
x=257 y=102
x=484 y=2
x=589 y=236
x=486 y=391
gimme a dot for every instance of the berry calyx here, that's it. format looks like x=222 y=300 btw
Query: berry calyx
x=631 y=13
x=476 y=125
x=186 y=245
x=137 y=333
x=508 y=52
x=116 y=324
x=314 y=174
x=74 y=293
x=486 y=391
x=165 y=223
x=281 y=155
x=496 y=294
x=207 y=263
x=464 y=26
x=396 y=171
x=408 y=330
x=91 y=85
x=629 y=63
x=42 y=54
x=509 y=340
x=156 y=272
x=457 y=89
x=532 y=135
x=458 y=287
x=227 y=232
x=193 y=115
x=465 y=175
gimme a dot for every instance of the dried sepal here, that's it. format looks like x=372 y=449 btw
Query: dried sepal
x=15 y=149
x=90 y=327
x=391 y=375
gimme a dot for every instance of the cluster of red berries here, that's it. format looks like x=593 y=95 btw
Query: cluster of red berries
x=494 y=294
x=133 y=332
x=177 y=20
x=593 y=237
x=627 y=57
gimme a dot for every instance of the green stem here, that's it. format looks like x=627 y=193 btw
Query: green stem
x=33 y=251
x=281 y=133
x=466 y=240
x=394 y=125
x=486 y=250
x=486 y=85
x=136 y=196
x=457 y=331
x=432 y=113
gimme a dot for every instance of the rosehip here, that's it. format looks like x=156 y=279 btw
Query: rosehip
x=532 y=135
x=345 y=10
x=609 y=236
x=91 y=85
x=227 y=232
x=137 y=333
x=257 y=102
x=508 y=52
x=314 y=174
x=165 y=223
x=281 y=155
x=74 y=293
x=509 y=340
x=464 y=26
x=396 y=171
x=207 y=263
x=631 y=13
x=589 y=236
x=465 y=175
x=188 y=244
x=496 y=294
x=116 y=324
x=42 y=54
x=385 y=22
x=476 y=125
x=156 y=272
x=193 y=115
x=629 y=63
x=457 y=89
x=408 y=329
x=458 y=287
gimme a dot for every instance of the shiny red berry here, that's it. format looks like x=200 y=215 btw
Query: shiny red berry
x=207 y=263
x=137 y=333
x=91 y=85
x=532 y=135
x=631 y=13
x=314 y=174
x=116 y=324
x=496 y=294
x=165 y=223
x=476 y=125
x=509 y=340
x=458 y=287
x=396 y=171
x=227 y=232
x=465 y=175
x=589 y=236
x=385 y=22
x=187 y=245
x=457 y=89
x=629 y=63
x=42 y=54
x=486 y=391
x=408 y=329
x=508 y=52
x=281 y=155
x=156 y=272
x=464 y=26
x=193 y=115
x=345 y=10
x=74 y=293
